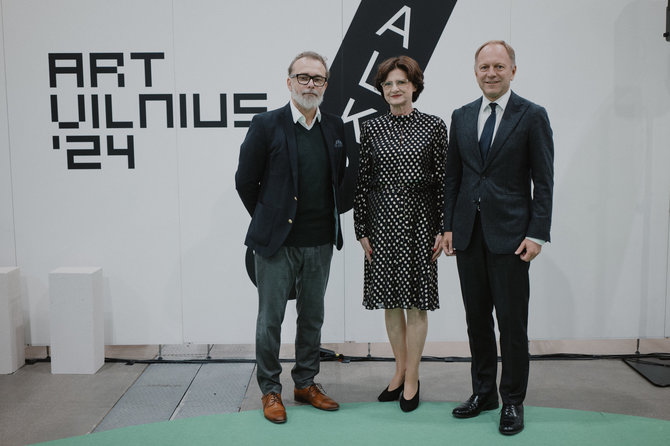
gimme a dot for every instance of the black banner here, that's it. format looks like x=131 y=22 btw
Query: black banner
x=380 y=29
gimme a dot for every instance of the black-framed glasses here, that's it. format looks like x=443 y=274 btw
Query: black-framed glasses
x=304 y=78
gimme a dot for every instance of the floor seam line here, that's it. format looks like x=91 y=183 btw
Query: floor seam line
x=118 y=400
x=181 y=400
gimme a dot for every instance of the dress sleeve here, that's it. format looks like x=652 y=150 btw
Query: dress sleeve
x=361 y=224
x=440 y=160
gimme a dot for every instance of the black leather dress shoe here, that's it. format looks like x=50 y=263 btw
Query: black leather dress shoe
x=475 y=405
x=511 y=419
x=410 y=405
x=392 y=395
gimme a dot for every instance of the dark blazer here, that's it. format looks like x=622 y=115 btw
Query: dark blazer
x=267 y=176
x=522 y=152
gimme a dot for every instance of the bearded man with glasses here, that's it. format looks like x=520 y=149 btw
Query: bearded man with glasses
x=290 y=169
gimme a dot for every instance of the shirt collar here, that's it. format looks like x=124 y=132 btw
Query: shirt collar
x=299 y=118
x=501 y=101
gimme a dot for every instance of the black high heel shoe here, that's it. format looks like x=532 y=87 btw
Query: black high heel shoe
x=392 y=395
x=410 y=405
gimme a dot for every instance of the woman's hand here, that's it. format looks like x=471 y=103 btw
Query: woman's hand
x=437 y=247
x=365 y=243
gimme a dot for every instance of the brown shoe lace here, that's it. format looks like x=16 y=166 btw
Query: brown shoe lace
x=273 y=397
x=318 y=388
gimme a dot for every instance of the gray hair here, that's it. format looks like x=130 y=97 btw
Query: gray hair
x=309 y=55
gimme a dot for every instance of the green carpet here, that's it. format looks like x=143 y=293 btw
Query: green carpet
x=384 y=424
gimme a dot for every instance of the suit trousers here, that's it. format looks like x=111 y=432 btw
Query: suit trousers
x=497 y=281
x=307 y=269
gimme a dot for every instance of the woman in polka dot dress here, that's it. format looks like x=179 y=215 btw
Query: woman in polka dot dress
x=398 y=219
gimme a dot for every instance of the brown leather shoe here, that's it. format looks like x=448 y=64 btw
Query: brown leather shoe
x=315 y=396
x=273 y=408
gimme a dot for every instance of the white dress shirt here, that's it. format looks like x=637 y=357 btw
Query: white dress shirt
x=485 y=112
x=298 y=117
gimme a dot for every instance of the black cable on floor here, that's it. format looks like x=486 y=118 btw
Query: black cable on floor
x=348 y=359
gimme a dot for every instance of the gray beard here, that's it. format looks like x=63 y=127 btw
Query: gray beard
x=308 y=102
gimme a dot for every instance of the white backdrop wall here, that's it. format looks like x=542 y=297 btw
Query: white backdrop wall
x=168 y=233
x=7 y=247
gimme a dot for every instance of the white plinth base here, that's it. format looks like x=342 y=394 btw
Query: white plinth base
x=77 y=320
x=12 y=338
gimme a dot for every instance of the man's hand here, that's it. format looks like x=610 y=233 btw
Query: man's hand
x=528 y=250
x=365 y=243
x=447 y=244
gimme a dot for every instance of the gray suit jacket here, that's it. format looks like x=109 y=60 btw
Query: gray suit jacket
x=513 y=187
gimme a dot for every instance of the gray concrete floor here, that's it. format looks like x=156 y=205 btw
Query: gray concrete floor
x=37 y=406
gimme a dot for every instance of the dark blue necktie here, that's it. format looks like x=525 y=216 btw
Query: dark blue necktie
x=487 y=133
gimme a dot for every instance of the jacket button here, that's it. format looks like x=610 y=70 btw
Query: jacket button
x=295 y=198
x=290 y=221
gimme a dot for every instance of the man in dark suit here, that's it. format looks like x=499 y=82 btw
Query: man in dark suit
x=498 y=200
x=290 y=168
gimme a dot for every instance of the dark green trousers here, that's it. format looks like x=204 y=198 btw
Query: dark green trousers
x=305 y=269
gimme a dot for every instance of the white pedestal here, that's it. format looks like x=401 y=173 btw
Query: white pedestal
x=12 y=340
x=77 y=318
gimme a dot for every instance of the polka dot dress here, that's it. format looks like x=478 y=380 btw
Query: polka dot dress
x=399 y=206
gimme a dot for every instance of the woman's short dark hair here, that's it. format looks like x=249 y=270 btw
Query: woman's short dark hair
x=406 y=64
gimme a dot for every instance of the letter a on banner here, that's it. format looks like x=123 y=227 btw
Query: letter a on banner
x=406 y=11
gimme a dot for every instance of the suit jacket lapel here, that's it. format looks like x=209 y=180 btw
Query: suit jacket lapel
x=329 y=137
x=510 y=119
x=471 y=118
x=292 y=145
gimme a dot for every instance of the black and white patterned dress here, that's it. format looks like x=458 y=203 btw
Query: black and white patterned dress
x=399 y=206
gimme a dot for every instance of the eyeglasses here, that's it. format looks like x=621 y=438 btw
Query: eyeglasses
x=303 y=79
x=400 y=84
